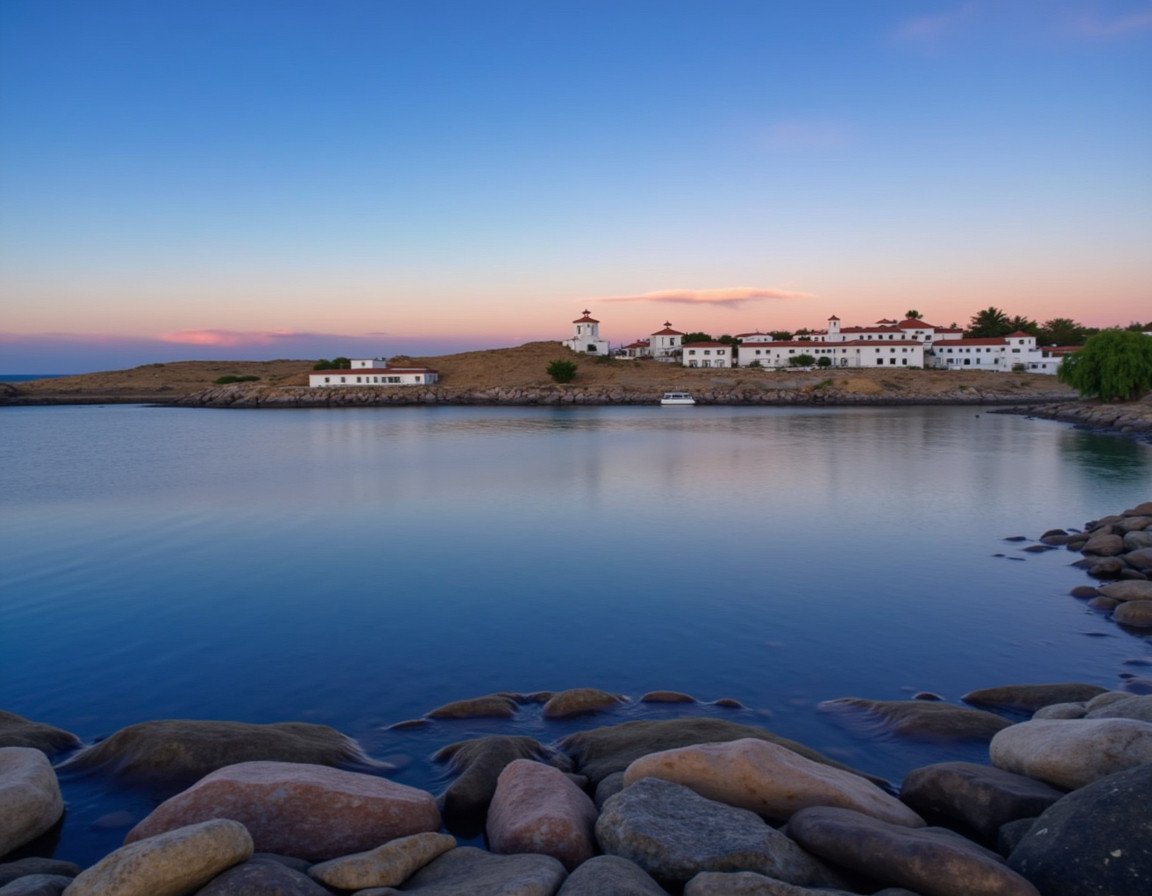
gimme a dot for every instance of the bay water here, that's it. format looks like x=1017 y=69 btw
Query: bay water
x=359 y=567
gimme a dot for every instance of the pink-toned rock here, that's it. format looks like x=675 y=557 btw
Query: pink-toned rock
x=309 y=811
x=537 y=809
x=768 y=779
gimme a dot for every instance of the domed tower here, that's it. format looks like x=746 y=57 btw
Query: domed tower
x=586 y=336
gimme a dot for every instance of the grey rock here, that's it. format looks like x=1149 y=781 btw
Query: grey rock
x=1135 y=706
x=9 y=871
x=262 y=876
x=1071 y=753
x=610 y=876
x=17 y=731
x=673 y=834
x=1141 y=558
x=1096 y=841
x=931 y=861
x=1130 y=590
x=37 y=885
x=169 y=864
x=603 y=751
x=978 y=797
x=920 y=719
x=610 y=786
x=1011 y=833
x=30 y=800
x=468 y=871
x=749 y=883
x=1061 y=711
x=1135 y=541
x=1031 y=697
x=480 y=762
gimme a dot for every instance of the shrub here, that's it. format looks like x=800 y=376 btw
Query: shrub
x=1112 y=364
x=824 y=362
x=561 y=371
x=802 y=360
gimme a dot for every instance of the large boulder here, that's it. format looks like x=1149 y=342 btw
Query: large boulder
x=674 y=833
x=1134 y=613
x=182 y=750
x=610 y=875
x=1031 y=697
x=1103 y=544
x=976 y=797
x=308 y=811
x=1141 y=559
x=601 y=752
x=1133 y=589
x=174 y=863
x=468 y=871
x=923 y=719
x=1071 y=753
x=30 y=800
x=480 y=762
x=537 y=809
x=385 y=866
x=17 y=731
x=929 y=861
x=767 y=779
x=263 y=875
x=1096 y=841
x=1125 y=706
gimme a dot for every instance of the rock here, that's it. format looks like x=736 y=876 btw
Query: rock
x=1134 y=613
x=1105 y=604
x=181 y=750
x=1105 y=567
x=262 y=876
x=978 y=797
x=1061 y=711
x=1140 y=559
x=610 y=876
x=1134 y=541
x=930 y=861
x=1071 y=753
x=385 y=866
x=1133 y=523
x=1144 y=509
x=666 y=697
x=37 y=885
x=1031 y=697
x=917 y=718
x=468 y=871
x=171 y=864
x=602 y=751
x=1105 y=699
x=480 y=762
x=1085 y=592
x=767 y=779
x=497 y=706
x=536 y=809
x=30 y=800
x=578 y=701
x=308 y=811
x=9 y=871
x=17 y=731
x=1127 y=590
x=608 y=787
x=1137 y=707
x=673 y=834
x=1096 y=841
x=1104 y=545
x=749 y=883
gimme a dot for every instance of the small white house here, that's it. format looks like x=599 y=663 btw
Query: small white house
x=374 y=372
x=707 y=354
x=586 y=336
x=664 y=345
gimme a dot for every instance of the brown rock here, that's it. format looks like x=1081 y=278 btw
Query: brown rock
x=480 y=762
x=497 y=706
x=917 y=718
x=666 y=697
x=1127 y=590
x=578 y=701
x=468 y=871
x=1135 y=613
x=309 y=811
x=536 y=809
x=30 y=800
x=1072 y=753
x=1030 y=697
x=1104 y=545
x=385 y=866
x=263 y=875
x=17 y=731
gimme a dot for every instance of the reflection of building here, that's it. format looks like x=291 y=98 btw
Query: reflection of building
x=374 y=372
x=586 y=336
x=707 y=354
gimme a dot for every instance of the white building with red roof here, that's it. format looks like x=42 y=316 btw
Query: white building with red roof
x=374 y=372
x=664 y=345
x=586 y=336
x=708 y=354
x=1012 y=352
x=847 y=353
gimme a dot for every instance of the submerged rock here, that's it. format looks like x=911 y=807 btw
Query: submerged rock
x=309 y=811
x=17 y=731
x=919 y=718
x=578 y=701
x=1031 y=697
x=496 y=706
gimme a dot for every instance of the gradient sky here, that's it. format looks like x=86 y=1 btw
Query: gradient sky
x=311 y=178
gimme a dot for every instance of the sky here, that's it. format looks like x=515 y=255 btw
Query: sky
x=256 y=179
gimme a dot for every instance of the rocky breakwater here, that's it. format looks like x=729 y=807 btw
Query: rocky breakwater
x=692 y=805
x=1133 y=418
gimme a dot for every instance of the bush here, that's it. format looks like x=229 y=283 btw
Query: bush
x=229 y=378
x=801 y=361
x=561 y=371
x=1112 y=364
x=824 y=362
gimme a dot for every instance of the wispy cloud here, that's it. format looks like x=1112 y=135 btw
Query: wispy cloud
x=928 y=31
x=235 y=337
x=732 y=297
x=1093 y=26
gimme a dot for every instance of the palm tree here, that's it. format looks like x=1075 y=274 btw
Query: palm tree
x=988 y=323
x=913 y=315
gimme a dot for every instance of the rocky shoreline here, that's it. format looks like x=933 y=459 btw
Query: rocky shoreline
x=1130 y=418
x=692 y=805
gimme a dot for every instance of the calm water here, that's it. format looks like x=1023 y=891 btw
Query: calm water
x=360 y=567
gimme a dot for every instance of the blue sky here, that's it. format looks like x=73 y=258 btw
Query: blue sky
x=305 y=179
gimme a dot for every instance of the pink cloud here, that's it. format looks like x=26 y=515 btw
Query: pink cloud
x=732 y=297
x=234 y=337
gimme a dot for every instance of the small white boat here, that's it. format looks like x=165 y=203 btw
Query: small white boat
x=681 y=398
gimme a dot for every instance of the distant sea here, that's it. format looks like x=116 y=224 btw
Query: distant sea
x=24 y=377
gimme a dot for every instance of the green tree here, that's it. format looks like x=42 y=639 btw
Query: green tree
x=561 y=371
x=988 y=323
x=697 y=336
x=824 y=361
x=729 y=340
x=913 y=315
x=1061 y=331
x=780 y=335
x=801 y=361
x=1111 y=364
x=1023 y=325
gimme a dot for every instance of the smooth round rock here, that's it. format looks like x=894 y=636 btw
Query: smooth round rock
x=30 y=800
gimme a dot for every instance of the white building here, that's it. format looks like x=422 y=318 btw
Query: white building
x=664 y=345
x=586 y=336
x=1003 y=353
x=707 y=354
x=374 y=372
x=856 y=353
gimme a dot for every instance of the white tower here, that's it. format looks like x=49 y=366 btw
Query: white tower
x=586 y=336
